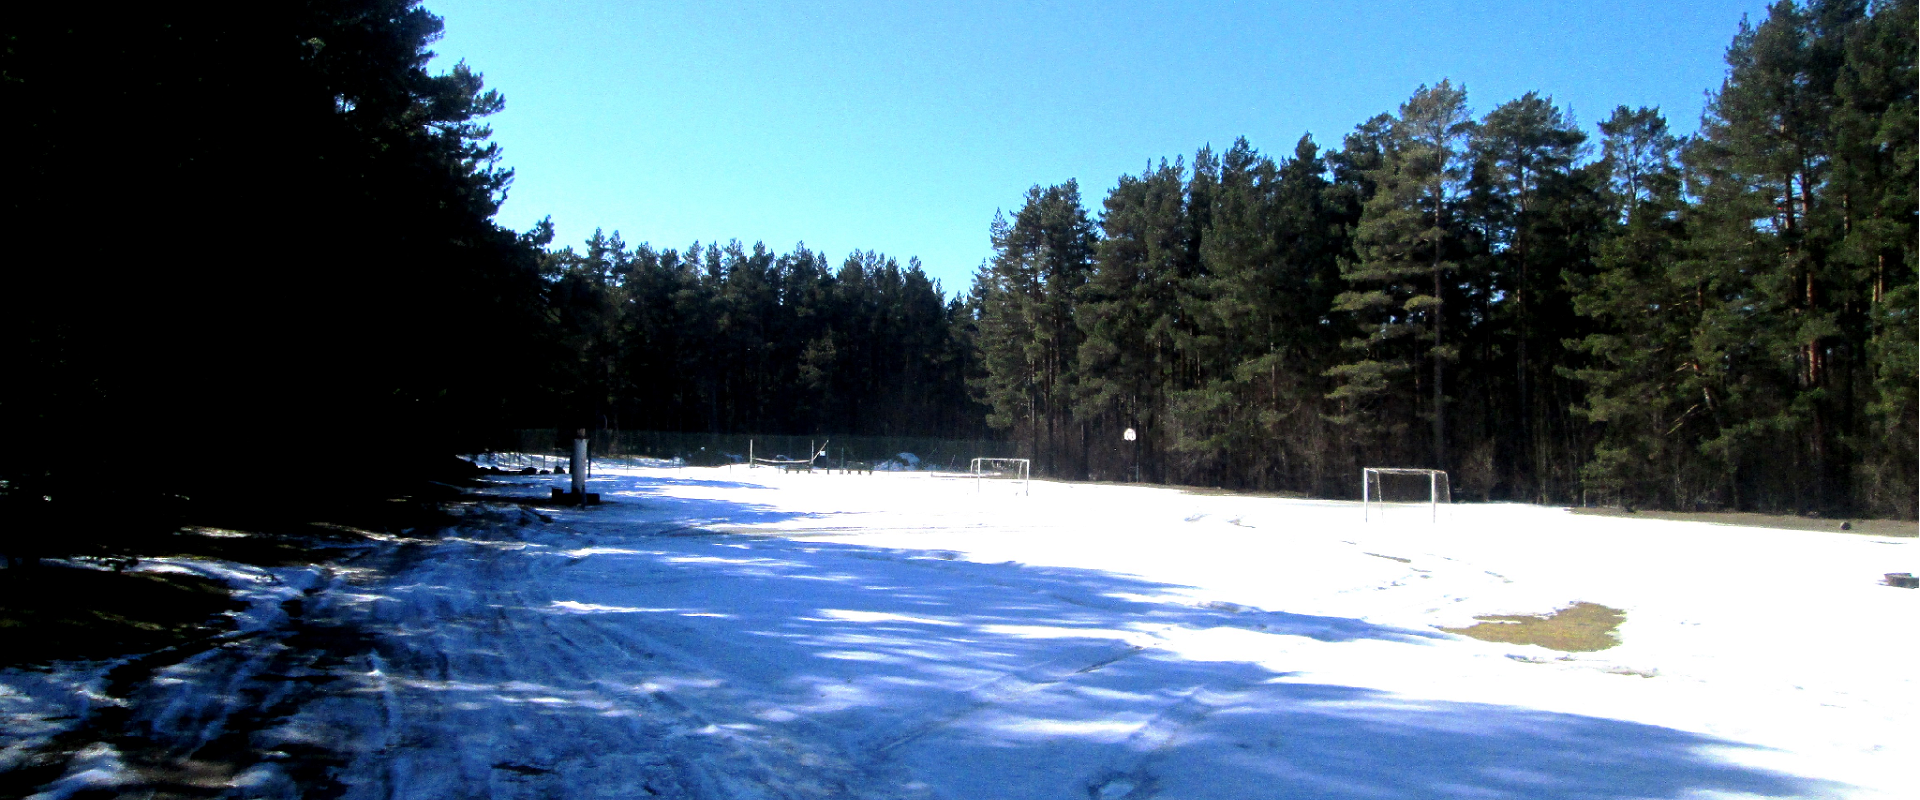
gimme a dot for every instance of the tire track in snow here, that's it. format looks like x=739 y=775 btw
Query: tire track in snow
x=711 y=749
x=798 y=746
x=556 y=717
x=799 y=757
x=1002 y=690
x=1132 y=778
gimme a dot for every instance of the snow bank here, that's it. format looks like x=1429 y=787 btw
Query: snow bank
x=39 y=704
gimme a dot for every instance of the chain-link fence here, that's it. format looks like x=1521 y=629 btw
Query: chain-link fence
x=548 y=449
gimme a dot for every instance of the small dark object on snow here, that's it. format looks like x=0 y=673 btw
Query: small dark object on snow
x=1846 y=526
x=582 y=499
x=1904 y=580
x=522 y=769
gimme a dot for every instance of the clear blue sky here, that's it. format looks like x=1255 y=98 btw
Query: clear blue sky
x=902 y=127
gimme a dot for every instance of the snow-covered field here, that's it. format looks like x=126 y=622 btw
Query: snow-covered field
x=736 y=633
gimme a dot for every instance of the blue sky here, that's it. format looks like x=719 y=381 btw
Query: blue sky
x=902 y=127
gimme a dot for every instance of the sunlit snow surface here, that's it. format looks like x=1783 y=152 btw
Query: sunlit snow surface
x=716 y=632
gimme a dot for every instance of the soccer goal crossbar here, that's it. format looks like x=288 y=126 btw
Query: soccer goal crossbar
x=783 y=462
x=1373 y=485
x=816 y=452
x=1018 y=469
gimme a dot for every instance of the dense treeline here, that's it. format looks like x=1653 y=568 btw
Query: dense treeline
x=729 y=339
x=1719 y=321
x=246 y=234
x=242 y=234
x=243 y=231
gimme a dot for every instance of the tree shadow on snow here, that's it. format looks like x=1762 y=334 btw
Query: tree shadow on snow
x=623 y=657
x=1012 y=670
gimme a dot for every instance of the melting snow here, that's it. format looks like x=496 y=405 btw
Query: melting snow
x=735 y=632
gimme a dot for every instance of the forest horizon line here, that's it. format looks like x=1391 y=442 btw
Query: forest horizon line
x=1719 y=321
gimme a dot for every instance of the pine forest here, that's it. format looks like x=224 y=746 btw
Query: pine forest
x=1720 y=321
x=281 y=223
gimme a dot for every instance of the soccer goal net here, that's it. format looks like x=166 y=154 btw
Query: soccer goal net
x=1384 y=487
x=1012 y=469
x=814 y=453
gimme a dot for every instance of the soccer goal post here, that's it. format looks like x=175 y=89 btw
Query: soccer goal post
x=1404 y=486
x=1016 y=469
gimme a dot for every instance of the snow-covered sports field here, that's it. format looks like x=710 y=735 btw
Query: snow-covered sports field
x=736 y=633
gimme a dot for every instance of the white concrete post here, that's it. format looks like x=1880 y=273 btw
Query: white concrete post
x=580 y=464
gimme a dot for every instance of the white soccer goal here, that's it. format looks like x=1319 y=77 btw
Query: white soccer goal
x=1016 y=469
x=1403 y=486
x=788 y=464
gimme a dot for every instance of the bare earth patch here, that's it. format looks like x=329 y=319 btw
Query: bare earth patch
x=1579 y=628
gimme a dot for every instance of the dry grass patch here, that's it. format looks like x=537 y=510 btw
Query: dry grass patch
x=56 y=612
x=1210 y=491
x=1867 y=527
x=1579 y=628
x=257 y=549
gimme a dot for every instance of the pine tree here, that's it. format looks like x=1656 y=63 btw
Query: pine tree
x=1785 y=323
x=1270 y=256
x=1641 y=380
x=1874 y=175
x=1027 y=330
x=1132 y=314
x=1738 y=366
x=1399 y=276
x=583 y=304
x=1535 y=219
